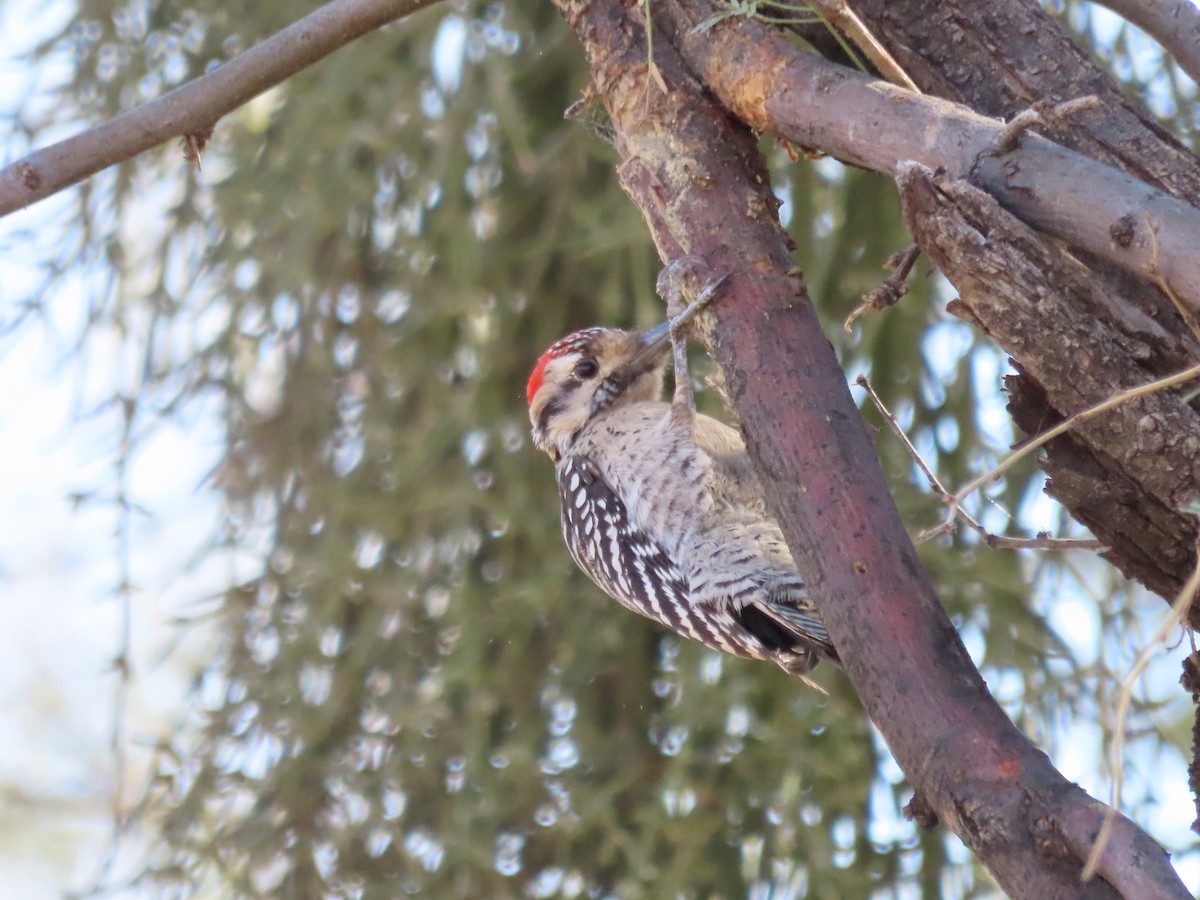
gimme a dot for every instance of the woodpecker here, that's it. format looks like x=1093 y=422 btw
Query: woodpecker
x=660 y=505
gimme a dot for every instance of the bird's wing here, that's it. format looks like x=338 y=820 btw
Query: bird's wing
x=801 y=621
x=631 y=566
x=625 y=561
x=733 y=479
x=779 y=610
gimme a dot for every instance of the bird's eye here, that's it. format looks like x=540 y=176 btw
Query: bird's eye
x=585 y=368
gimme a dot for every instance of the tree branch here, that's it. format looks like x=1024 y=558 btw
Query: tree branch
x=1175 y=24
x=1124 y=476
x=1112 y=477
x=1159 y=384
x=843 y=18
x=196 y=106
x=1175 y=619
x=1000 y=57
x=812 y=103
x=703 y=189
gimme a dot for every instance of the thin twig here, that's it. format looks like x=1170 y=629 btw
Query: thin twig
x=863 y=382
x=1066 y=425
x=848 y=22
x=1175 y=618
x=1044 y=113
x=655 y=74
x=1042 y=542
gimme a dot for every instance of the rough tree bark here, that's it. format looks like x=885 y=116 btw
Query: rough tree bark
x=1131 y=330
x=772 y=85
x=1019 y=287
x=703 y=188
x=1000 y=57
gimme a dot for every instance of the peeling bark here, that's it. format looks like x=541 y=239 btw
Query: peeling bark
x=771 y=85
x=1002 y=56
x=703 y=188
x=1020 y=288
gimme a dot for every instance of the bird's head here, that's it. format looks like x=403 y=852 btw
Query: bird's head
x=589 y=372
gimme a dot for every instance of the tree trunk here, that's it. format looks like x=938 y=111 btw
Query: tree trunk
x=703 y=188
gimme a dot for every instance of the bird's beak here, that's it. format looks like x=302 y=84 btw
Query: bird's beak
x=652 y=345
x=656 y=341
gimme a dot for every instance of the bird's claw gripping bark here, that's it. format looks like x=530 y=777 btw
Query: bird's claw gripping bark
x=687 y=276
x=678 y=280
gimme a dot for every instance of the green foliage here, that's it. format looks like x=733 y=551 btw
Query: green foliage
x=420 y=694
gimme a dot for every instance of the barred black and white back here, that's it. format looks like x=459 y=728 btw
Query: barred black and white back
x=626 y=563
x=660 y=506
x=691 y=555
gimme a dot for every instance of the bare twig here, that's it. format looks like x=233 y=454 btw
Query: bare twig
x=844 y=19
x=655 y=75
x=891 y=289
x=863 y=382
x=1174 y=619
x=1175 y=24
x=1041 y=542
x=1066 y=425
x=194 y=107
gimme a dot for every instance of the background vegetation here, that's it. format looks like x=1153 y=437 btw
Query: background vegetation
x=419 y=693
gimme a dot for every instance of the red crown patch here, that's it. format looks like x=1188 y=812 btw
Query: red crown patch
x=559 y=348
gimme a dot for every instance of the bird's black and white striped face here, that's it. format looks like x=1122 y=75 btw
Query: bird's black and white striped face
x=587 y=373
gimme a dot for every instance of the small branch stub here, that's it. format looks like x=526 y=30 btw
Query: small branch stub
x=890 y=290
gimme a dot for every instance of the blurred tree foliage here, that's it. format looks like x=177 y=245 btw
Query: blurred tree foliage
x=420 y=694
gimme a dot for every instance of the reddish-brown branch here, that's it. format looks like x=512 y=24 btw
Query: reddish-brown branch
x=195 y=107
x=772 y=85
x=703 y=188
x=1117 y=325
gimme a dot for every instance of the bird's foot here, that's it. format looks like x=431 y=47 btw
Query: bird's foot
x=677 y=281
